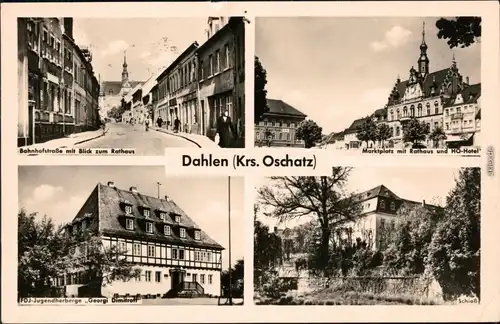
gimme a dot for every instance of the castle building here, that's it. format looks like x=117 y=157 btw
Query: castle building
x=279 y=125
x=112 y=92
x=173 y=253
x=429 y=97
x=378 y=209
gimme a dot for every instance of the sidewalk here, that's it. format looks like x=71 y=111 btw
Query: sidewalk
x=200 y=140
x=71 y=140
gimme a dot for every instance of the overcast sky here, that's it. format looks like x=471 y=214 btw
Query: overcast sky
x=60 y=191
x=336 y=70
x=148 y=42
x=410 y=183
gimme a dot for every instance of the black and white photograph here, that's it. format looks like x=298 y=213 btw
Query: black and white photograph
x=368 y=83
x=130 y=232
x=369 y=236
x=146 y=84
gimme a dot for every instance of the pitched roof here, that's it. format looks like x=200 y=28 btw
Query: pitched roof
x=354 y=126
x=115 y=86
x=379 y=191
x=435 y=78
x=383 y=191
x=279 y=107
x=110 y=210
x=380 y=112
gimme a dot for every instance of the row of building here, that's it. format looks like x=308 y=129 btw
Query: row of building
x=58 y=93
x=196 y=88
x=442 y=99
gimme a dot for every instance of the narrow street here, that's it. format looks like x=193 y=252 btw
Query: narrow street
x=135 y=136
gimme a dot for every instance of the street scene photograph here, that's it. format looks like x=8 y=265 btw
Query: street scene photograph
x=369 y=236
x=133 y=83
x=368 y=83
x=130 y=233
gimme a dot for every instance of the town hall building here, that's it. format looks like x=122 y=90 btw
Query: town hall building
x=175 y=256
x=442 y=99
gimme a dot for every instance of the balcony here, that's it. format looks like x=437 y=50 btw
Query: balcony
x=457 y=116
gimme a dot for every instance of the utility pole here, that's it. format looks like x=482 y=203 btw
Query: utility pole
x=229 y=220
x=158 y=184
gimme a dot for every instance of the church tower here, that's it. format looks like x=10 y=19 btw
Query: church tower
x=125 y=82
x=126 y=87
x=423 y=61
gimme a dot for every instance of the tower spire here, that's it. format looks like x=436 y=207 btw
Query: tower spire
x=423 y=32
x=423 y=61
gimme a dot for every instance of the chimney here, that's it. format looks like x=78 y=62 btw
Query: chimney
x=423 y=203
x=167 y=198
x=133 y=189
x=467 y=80
x=275 y=229
x=111 y=184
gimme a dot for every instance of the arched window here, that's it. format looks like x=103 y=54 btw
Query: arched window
x=412 y=111
x=392 y=114
x=436 y=107
x=405 y=111
x=428 y=105
x=419 y=110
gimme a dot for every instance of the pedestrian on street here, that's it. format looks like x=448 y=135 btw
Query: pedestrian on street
x=225 y=129
x=159 y=121
x=177 y=124
x=146 y=122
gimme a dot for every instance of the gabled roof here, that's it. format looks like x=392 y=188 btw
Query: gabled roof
x=279 y=107
x=110 y=209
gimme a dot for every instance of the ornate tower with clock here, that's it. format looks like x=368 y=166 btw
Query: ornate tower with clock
x=423 y=60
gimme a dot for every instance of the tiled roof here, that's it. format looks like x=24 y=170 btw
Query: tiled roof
x=470 y=95
x=379 y=191
x=115 y=86
x=111 y=211
x=354 y=126
x=380 y=112
x=435 y=78
x=279 y=107
x=383 y=191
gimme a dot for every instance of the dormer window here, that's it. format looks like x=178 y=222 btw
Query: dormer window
x=163 y=216
x=146 y=212
x=149 y=227
x=182 y=233
x=197 y=235
x=382 y=204
x=128 y=210
x=129 y=224
x=167 y=230
x=393 y=206
x=177 y=218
